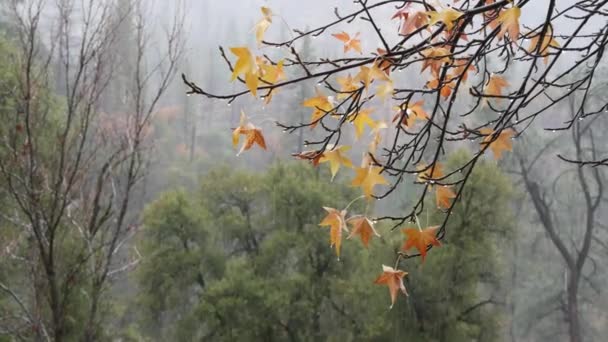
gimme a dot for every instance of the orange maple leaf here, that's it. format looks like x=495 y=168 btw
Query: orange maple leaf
x=495 y=85
x=443 y=195
x=314 y=157
x=413 y=112
x=337 y=223
x=435 y=57
x=363 y=227
x=413 y=22
x=502 y=143
x=353 y=43
x=394 y=280
x=253 y=135
x=420 y=239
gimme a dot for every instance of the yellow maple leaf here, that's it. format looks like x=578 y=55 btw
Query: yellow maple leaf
x=347 y=86
x=321 y=105
x=547 y=42
x=447 y=16
x=385 y=89
x=336 y=158
x=335 y=219
x=425 y=174
x=509 y=21
x=360 y=119
x=368 y=177
x=245 y=65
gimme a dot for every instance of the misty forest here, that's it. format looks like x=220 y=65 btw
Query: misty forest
x=321 y=170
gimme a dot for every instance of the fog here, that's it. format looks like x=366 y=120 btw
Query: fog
x=128 y=212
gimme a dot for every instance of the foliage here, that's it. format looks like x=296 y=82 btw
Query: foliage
x=243 y=257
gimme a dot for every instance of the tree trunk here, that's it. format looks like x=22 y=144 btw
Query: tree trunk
x=574 y=329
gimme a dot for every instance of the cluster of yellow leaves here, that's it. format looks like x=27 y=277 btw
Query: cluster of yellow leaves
x=253 y=135
x=321 y=104
x=337 y=222
x=255 y=69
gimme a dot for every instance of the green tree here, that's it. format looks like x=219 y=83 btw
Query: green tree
x=244 y=258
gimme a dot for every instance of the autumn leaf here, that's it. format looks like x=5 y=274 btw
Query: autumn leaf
x=447 y=16
x=413 y=22
x=394 y=280
x=263 y=25
x=420 y=239
x=444 y=91
x=360 y=119
x=425 y=174
x=367 y=178
x=385 y=89
x=245 y=65
x=434 y=58
x=462 y=69
x=336 y=158
x=413 y=112
x=363 y=227
x=272 y=73
x=353 y=43
x=366 y=75
x=547 y=42
x=502 y=143
x=314 y=157
x=336 y=221
x=373 y=145
x=321 y=105
x=495 y=85
x=347 y=86
x=509 y=21
x=443 y=195
x=402 y=13
x=383 y=63
x=253 y=135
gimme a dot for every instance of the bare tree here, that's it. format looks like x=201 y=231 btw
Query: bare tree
x=562 y=219
x=72 y=170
